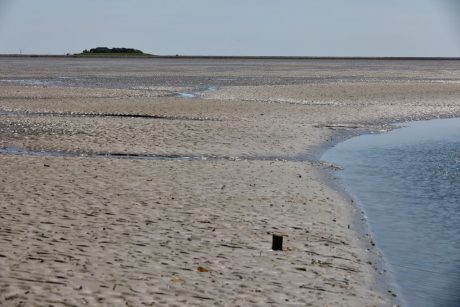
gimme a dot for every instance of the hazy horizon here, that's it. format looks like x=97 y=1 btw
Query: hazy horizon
x=392 y=28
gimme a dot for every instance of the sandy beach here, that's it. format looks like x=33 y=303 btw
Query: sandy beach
x=160 y=181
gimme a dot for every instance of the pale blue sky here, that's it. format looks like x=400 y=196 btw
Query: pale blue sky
x=234 y=27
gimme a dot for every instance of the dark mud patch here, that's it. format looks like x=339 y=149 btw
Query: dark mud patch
x=101 y=115
x=17 y=151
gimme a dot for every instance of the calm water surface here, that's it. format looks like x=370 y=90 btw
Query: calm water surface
x=408 y=183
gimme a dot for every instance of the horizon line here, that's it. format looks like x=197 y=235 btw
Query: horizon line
x=252 y=57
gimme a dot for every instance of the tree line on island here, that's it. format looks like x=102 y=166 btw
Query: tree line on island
x=105 y=50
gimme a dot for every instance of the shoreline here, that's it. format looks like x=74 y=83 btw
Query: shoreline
x=383 y=278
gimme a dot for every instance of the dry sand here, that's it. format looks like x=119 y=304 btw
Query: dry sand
x=103 y=231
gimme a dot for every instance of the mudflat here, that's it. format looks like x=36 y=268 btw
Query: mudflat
x=160 y=181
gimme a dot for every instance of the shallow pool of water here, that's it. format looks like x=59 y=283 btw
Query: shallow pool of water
x=408 y=183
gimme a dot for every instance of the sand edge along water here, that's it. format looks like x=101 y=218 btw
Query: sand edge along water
x=176 y=205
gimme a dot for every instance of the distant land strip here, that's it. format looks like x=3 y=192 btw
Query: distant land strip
x=224 y=57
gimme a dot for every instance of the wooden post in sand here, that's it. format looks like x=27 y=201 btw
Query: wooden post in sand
x=277 y=242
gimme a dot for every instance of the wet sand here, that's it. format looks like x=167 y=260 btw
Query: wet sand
x=93 y=230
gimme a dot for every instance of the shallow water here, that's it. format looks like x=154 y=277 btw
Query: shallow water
x=408 y=183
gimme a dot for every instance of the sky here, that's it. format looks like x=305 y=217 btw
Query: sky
x=234 y=27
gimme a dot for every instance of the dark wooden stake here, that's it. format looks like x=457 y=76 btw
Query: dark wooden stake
x=277 y=243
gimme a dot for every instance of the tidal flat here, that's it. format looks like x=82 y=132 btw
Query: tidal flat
x=85 y=227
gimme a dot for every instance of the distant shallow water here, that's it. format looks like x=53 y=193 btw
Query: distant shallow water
x=408 y=183
x=198 y=92
x=195 y=92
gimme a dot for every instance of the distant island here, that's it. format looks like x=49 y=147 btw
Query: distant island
x=105 y=51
